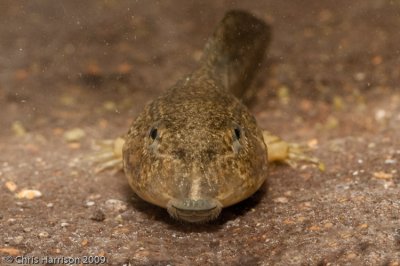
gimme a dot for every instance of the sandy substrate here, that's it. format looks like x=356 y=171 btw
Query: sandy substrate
x=331 y=78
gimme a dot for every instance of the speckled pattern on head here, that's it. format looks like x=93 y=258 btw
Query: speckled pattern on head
x=197 y=148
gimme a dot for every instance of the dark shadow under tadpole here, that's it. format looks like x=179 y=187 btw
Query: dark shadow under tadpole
x=155 y=213
x=243 y=207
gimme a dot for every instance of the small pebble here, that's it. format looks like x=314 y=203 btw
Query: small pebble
x=67 y=100
x=382 y=175
x=376 y=60
x=283 y=95
x=380 y=114
x=288 y=193
x=351 y=255
x=98 y=216
x=74 y=145
x=388 y=184
x=11 y=186
x=331 y=122
x=301 y=219
x=363 y=226
x=43 y=234
x=18 y=128
x=57 y=251
x=307 y=204
x=119 y=218
x=314 y=228
x=18 y=239
x=124 y=68
x=84 y=242
x=390 y=161
x=94 y=197
x=288 y=221
x=64 y=224
x=89 y=203
x=10 y=251
x=116 y=205
x=371 y=145
x=328 y=225
x=360 y=76
x=109 y=106
x=312 y=143
x=281 y=200
x=75 y=134
x=28 y=194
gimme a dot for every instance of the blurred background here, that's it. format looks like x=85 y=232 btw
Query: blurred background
x=75 y=72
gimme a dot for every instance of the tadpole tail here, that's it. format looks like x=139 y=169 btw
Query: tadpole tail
x=235 y=50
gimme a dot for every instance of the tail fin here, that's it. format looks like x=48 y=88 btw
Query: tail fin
x=235 y=50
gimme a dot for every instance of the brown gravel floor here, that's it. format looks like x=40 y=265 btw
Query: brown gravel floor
x=331 y=78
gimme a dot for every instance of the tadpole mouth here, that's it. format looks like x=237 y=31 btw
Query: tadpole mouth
x=194 y=211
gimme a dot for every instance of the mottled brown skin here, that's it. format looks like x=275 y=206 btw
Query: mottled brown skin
x=197 y=148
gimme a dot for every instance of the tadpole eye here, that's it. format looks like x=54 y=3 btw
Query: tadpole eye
x=237 y=133
x=153 y=133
